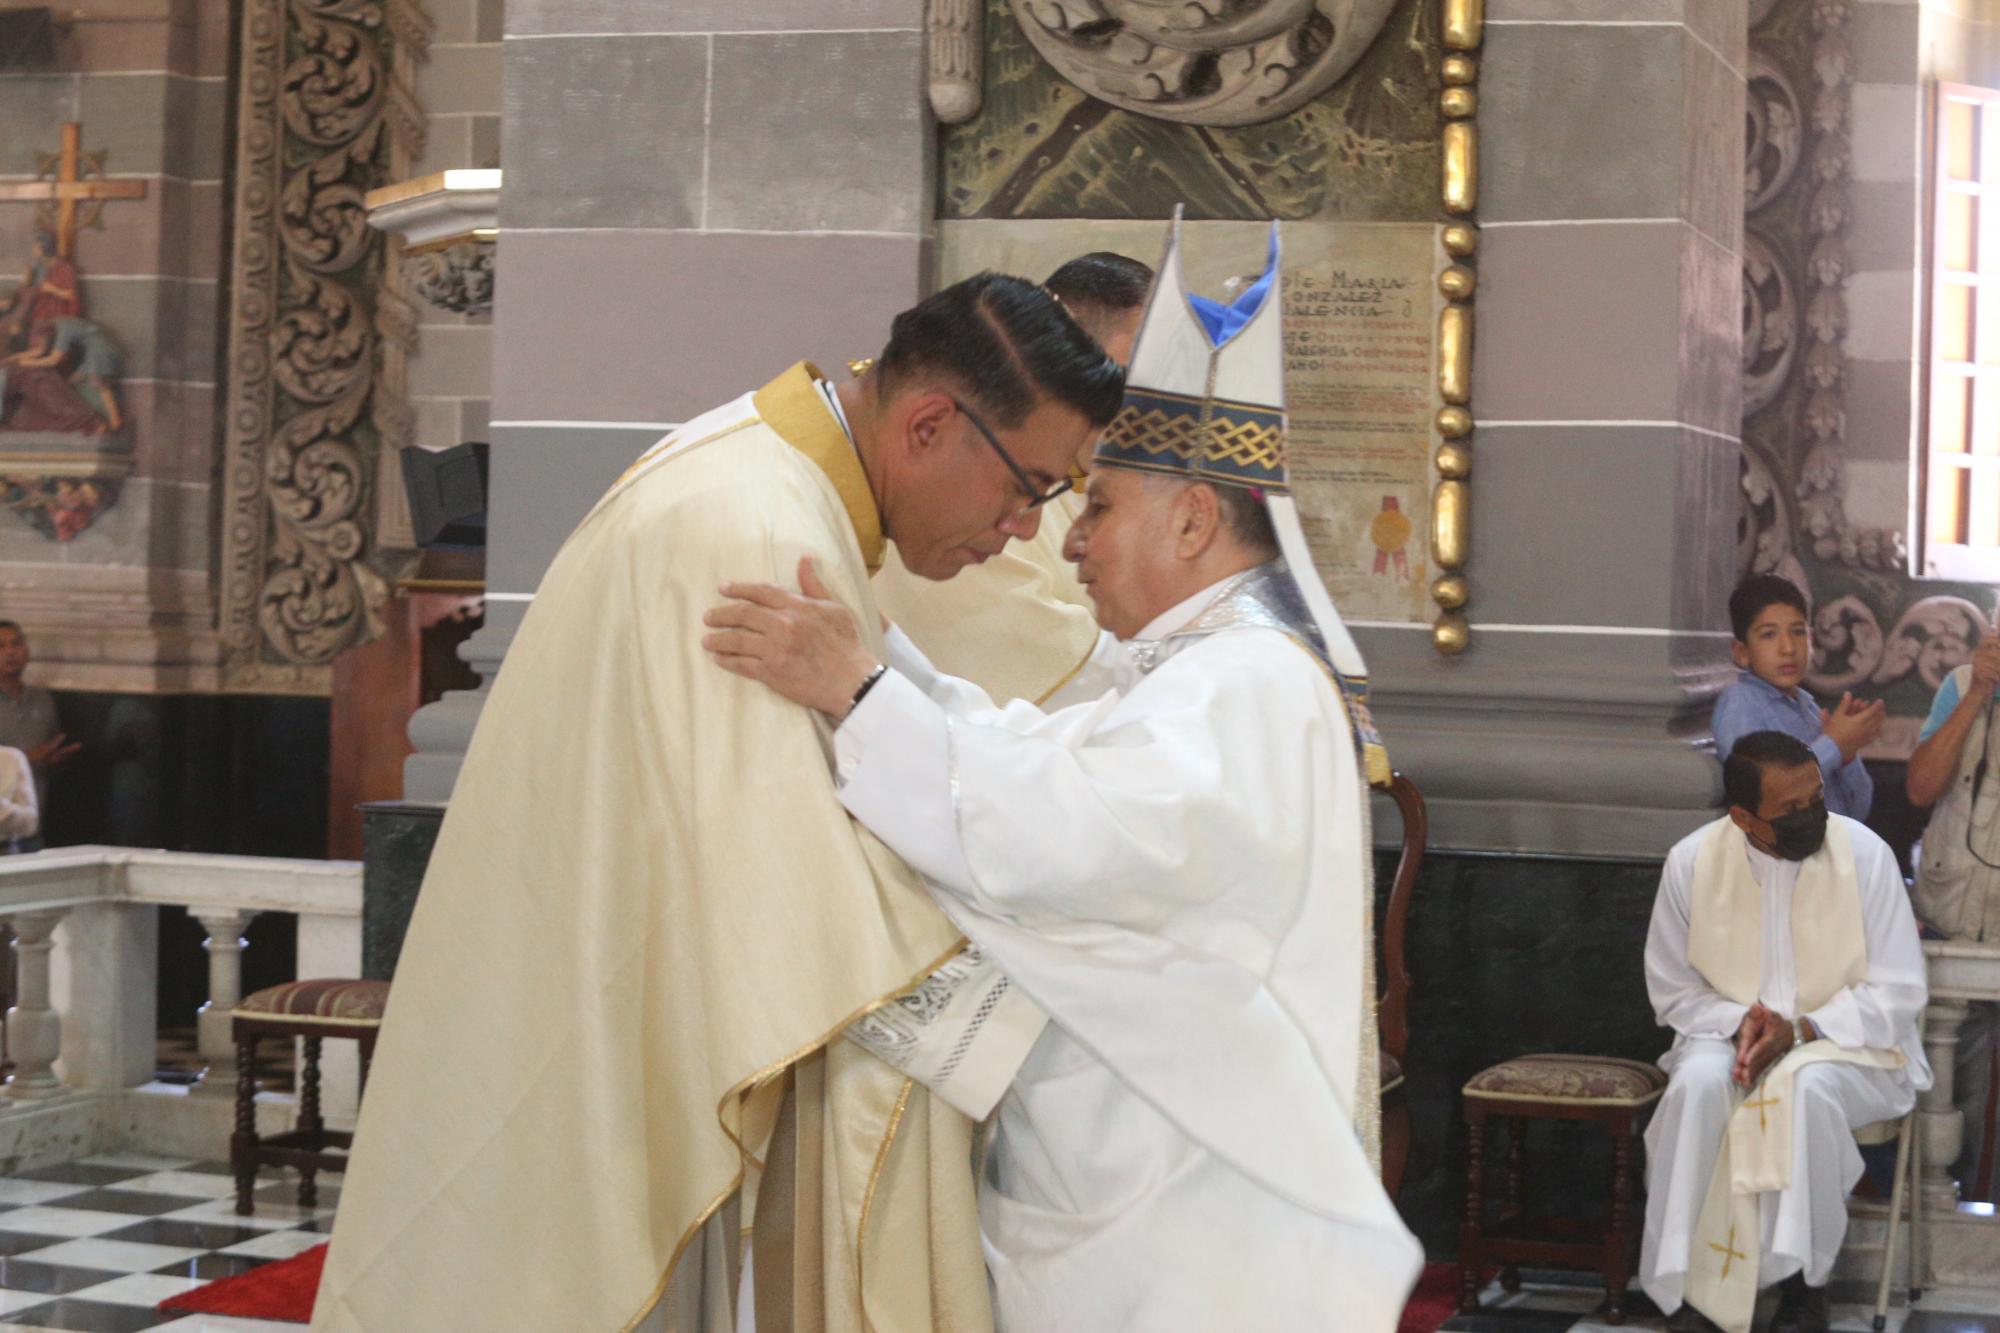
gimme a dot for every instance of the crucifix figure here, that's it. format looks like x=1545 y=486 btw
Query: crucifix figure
x=73 y=182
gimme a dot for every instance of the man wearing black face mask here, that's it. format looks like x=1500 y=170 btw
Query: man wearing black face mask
x=1784 y=955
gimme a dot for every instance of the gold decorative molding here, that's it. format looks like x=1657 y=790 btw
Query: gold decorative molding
x=1463 y=25
x=320 y=329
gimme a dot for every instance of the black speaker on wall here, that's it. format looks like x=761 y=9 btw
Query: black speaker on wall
x=27 y=38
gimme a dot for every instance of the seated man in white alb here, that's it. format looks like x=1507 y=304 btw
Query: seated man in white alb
x=1178 y=875
x=1784 y=955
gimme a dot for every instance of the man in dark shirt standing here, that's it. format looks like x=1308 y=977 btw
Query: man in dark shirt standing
x=28 y=717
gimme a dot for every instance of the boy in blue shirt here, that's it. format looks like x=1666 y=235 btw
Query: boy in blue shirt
x=1767 y=617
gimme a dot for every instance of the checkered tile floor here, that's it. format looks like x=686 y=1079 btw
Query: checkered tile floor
x=1551 y=1302
x=97 y=1244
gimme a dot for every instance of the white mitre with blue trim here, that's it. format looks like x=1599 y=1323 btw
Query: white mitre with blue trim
x=1205 y=400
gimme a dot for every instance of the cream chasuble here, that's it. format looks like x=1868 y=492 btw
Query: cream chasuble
x=645 y=918
x=1829 y=957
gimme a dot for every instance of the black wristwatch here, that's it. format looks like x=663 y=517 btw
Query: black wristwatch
x=861 y=692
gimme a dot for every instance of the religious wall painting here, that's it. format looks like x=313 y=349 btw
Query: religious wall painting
x=63 y=432
x=1876 y=631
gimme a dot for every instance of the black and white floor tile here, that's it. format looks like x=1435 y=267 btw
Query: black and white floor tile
x=96 y=1245
x=1551 y=1302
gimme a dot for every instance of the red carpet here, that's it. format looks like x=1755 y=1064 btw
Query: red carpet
x=282 y=1291
x=1434 y=1301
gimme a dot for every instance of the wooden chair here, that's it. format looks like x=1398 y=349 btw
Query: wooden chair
x=1393 y=1011
x=313 y=1010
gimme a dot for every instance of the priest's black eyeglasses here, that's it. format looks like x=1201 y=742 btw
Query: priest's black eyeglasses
x=1036 y=498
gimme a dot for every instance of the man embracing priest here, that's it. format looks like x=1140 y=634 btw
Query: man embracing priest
x=1784 y=955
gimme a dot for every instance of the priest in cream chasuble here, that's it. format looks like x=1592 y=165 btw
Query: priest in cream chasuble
x=1176 y=874
x=1019 y=626
x=612 y=1048
x=1784 y=955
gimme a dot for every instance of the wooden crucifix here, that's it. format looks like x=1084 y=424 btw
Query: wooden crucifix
x=65 y=185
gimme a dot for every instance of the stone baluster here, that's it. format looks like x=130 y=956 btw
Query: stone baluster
x=34 y=1029
x=225 y=987
x=1940 y=1122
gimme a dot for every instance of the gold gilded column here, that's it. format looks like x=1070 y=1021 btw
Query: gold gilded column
x=1464 y=24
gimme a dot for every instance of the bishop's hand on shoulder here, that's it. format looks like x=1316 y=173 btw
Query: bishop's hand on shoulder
x=805 y=644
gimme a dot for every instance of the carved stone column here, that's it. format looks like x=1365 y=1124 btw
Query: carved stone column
x=34 y=1029
x=1940 y=1121
x=225 y=984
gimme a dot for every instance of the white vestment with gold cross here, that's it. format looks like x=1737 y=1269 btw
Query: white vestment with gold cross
x=1832 y=937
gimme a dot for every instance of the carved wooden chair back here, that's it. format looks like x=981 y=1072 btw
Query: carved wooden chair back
x=1393 y=1016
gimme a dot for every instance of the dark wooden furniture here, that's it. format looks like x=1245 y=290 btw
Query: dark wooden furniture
x=1393 y=1013
x=313 y=1010
x=1617 y=1094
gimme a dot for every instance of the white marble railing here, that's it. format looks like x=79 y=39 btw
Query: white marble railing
x=83 y=1027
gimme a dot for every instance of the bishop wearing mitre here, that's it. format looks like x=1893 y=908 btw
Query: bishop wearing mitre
x=1176 y=874
x=613 y=1048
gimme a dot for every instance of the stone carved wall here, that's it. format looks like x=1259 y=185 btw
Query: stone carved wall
x=1798 y=200
x=1237 y=64
x=320 y=329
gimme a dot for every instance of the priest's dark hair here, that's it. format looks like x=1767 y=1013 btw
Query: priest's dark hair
x=1743 y=770
x=1006 y=344
x=1755 y=594
x=1099 y=286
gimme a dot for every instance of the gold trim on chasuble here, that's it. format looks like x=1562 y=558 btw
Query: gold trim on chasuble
x=792 y=406
x=745 y=1086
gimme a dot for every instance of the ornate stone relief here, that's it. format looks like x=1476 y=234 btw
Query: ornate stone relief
x=319 y=332
x=1223 y=62
x=458 y=278
x=1798 y=171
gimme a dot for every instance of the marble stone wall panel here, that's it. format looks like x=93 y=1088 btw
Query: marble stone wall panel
x=1609 y=147
x=460 y=79
x=1711 y=335
x=1883 y=222
x=1708 y=503
x=1881 y=409
x=1882 y=315
x=475 y=416
x=1542 y=558
x=454 y=23
x=605 y=132
x=173 y=428
x=1884 y=41
x=214 y=29
x=659 y=326
x=531 y=17
x=155 y=123
x=185 y=329
x=1719 y=23
x=1579 y=323
x=32 y=106
x=456 y=362
x=489 y=20
x=571 y=467
x=845 y=148
x=1712 y=119
x=483 y=148
x=1888 y=123
x=170 y=41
